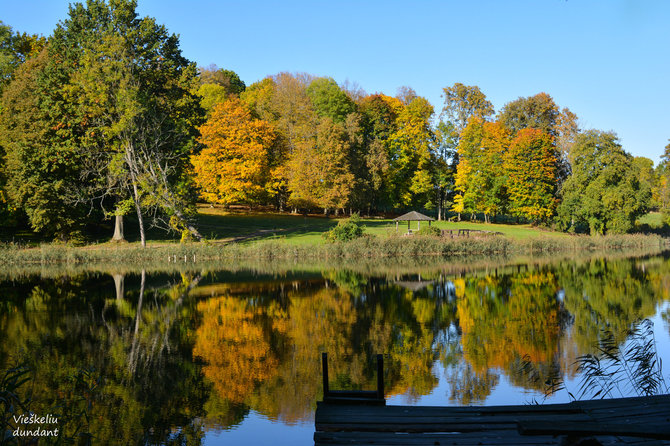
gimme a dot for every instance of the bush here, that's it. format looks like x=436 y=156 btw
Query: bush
x=430 y=230
x=345 y=230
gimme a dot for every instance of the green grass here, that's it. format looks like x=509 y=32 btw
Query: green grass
x=216 y=223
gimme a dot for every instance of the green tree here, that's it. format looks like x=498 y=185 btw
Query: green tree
x=227 y=79
x=120 y=88
x=41 y=169
x=535 y=112
x=379 y=115
x=329 y=100
x=217 y=85
x=604 y=192
x=462 y=102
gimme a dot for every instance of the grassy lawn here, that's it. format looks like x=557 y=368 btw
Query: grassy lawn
x=216 y=223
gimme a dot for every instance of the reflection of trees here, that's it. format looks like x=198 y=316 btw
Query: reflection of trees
x=232 y=341
x=507 y=318
x=149 y=390
x=285 y=331
x=610 y=294
x=257 y=343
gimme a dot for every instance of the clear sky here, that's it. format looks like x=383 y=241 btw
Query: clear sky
x=608 y=61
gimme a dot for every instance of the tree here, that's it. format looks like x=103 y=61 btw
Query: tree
x=663 y=173
x=567 y=129
x=329 y=100
x=41 y=170
x=481 y=181
x=531 y=166
x=217 y=85
x=379 y=115
x=232 y=167
x=227 y=79
x=462 y=102
x=411 y=150
x=535 y=112
x=320 y=175
x=604 y=192
x=15 y=49
x=119 y=89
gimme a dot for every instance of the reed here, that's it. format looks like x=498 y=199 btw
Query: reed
x=365 y=247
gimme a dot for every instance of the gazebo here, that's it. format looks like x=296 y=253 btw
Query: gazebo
x=412 y=216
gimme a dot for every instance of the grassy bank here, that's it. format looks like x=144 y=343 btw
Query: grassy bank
x=368 y=247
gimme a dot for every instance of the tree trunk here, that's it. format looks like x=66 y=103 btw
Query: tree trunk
x=118 y=229
x=136 y=198
x=132 y=362
x=118 y=285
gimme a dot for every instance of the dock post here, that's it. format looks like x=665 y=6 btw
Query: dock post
x=324 y=364
x=380 y=376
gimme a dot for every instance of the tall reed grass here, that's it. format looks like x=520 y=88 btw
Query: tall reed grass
x=366 y=247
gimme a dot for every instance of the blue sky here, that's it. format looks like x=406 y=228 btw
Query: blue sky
x=608 y=61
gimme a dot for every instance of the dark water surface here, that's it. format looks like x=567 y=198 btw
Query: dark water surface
x=226 y=358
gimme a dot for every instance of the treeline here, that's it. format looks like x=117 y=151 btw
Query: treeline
x=106 y=118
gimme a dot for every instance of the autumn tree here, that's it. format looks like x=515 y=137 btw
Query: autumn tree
x=379 y=121
x=461 y=103
x=663 y=174
x=232 y=168
x=411 y=149
x=531 y=167
x=604 y=192
x=481 y=181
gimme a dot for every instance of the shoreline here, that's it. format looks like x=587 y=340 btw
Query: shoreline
x=364 y=248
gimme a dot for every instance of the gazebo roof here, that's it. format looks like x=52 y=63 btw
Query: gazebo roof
x=413 y=216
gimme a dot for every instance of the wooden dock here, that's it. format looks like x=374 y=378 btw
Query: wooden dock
x=630 y=421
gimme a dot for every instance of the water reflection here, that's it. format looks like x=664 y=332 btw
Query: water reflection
x=173 y=357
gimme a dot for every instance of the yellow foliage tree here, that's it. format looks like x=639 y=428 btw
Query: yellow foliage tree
x=232 y=167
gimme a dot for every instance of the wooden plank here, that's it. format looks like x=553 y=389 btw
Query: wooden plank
x=488 y=438
x=595 y=428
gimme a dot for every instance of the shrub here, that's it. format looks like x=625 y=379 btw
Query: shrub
x=430 y=230
x=345 y=230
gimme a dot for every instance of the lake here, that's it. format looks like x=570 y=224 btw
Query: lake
x=220 y=356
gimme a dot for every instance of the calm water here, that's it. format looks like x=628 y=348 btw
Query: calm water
x=222 y=358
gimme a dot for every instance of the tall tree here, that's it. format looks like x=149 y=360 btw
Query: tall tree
x=535 y=112
x=411 y=149
x=462 y=102
x=531 y=166
x=379 y=115
x=604 y=192
x=232 y=167
x=481 y=181
x=41 y=170
x=121 y=88
x=329 y=100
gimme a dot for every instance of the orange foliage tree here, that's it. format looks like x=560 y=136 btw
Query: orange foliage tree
x=232 y=167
